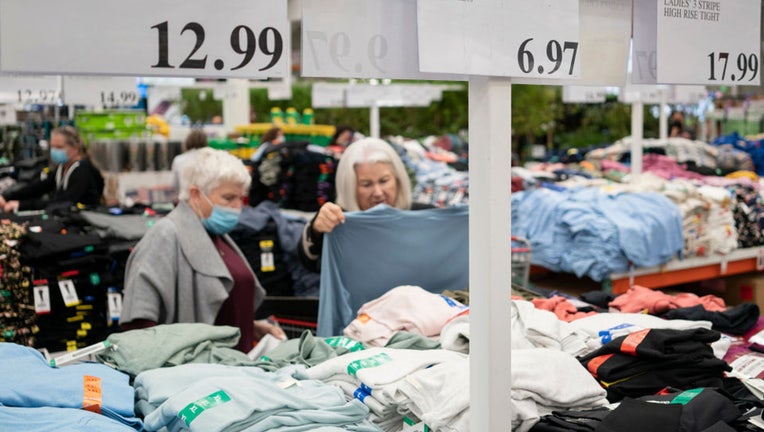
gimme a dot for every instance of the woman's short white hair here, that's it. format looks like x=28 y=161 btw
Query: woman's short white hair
x=208 y=168
x=369 y=150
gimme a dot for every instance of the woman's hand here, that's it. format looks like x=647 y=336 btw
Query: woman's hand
x=10 y=206
x=263 y=327
x=329 y=216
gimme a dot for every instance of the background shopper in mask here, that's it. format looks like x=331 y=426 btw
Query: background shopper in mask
x=186 y=268
x=74 y=180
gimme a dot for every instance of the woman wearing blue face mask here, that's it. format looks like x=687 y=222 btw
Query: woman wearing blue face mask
x=75 y=179
x=186 y=268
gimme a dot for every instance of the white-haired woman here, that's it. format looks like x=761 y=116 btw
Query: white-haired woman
x=186 y=268
x=369 y=173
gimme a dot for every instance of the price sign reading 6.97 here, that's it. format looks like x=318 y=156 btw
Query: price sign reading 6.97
x=554 y=57
x=242 y=39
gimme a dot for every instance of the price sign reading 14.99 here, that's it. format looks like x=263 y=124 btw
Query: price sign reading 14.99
x=242 y=39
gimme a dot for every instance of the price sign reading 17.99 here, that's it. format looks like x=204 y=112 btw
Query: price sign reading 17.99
x=710 y=42
x=242 y=39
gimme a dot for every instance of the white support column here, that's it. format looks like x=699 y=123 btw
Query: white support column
x=490 y=132
x=236 y=104
x=663 y=117
x=637 y=133
x=374 y=120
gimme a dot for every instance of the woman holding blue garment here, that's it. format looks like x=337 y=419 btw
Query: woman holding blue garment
x=369 y=173
x=186 y=268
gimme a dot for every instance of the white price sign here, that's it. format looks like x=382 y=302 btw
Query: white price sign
x=361 y=39
x=29 y=89
x=514 y=38
x=101 y=91
x=243 y=38
x=394 y=95
x=7 y=115
x=649 y=94
x=583 y=94
x=604 y=45
x=709 y=42
x=328 y=95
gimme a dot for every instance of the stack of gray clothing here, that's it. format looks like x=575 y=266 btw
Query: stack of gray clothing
x=174 y=344
x=212 y=398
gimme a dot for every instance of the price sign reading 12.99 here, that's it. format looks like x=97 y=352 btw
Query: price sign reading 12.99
x=515 y=38
x=240 y=39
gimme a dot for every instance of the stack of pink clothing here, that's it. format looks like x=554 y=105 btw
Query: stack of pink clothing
x=404 y=308
x=655 y=302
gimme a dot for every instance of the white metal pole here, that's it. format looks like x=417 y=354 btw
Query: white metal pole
x=637 y=133
x=374 y=120
x=490 y=132
x=236 y=104
x=663 y=117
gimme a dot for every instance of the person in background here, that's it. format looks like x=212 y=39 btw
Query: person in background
x=186 y=268
x=678 y=126
x=343 y=137
x=271 y=139
x=75 y=180
x=369 y=173
x=195 y=139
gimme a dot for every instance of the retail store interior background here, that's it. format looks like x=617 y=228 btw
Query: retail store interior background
x=660 y=271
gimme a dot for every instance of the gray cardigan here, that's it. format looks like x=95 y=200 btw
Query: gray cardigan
x=176 y=275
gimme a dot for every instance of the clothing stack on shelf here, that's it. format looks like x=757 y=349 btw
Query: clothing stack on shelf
x=293 y=176
x=436 y=182
x=17 y=304
x=588 y=231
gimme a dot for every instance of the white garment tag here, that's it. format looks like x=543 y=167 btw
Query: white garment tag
x=114 y=301
x=288 y=383
x=41 y=299
x=68 y=292
x=267 y=263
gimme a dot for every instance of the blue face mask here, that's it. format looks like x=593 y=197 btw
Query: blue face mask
x=58 y=156
x=222 y=219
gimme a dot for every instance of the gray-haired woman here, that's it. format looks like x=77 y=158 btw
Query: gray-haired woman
x=186 y=268
x=369 y=173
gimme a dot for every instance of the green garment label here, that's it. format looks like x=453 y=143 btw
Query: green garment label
x=345 y=342
x=194 y=409
x=686 y=396
x=414 y=426
x=368 y=362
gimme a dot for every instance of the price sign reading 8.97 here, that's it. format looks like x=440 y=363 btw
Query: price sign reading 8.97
x=362 y=39
x=338 y=48
x=242 y=39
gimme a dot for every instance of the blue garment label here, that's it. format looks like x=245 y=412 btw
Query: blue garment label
x=360 y=394
x=451 y=302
